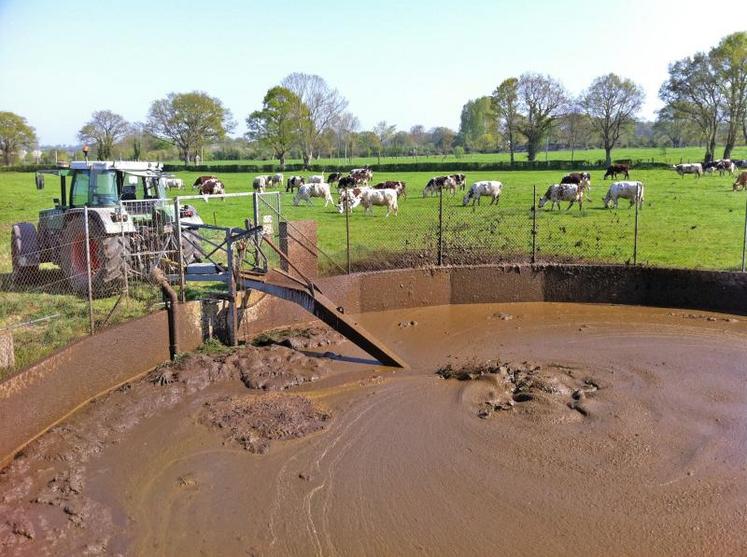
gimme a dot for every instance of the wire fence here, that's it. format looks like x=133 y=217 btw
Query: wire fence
x=75 y=272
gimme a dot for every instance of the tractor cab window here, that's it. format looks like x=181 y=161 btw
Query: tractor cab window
x=79 y=189
x=104 y=190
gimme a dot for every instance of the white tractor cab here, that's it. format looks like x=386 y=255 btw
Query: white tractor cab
x=128 y=214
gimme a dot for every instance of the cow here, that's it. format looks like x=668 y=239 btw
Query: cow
x=276 y=179
x=576 y=178
x=362 y=175
x=460 y=180
x=632 y=191
x=293 y=183
x=725 y=165
x=261 y=182
x=307 y=191
x=490 y=188
x=563 y=192
x=614 y=169
x=346 y=182
x=689 y=168
x=741 y=182
x=709 y=169
x=368 y=197
x=316 y=179
x=212 y=186
x=399 y=187
x=201 y=180
x=740 y=163
x=173 y=183
x=438 y=183
x=334 y=177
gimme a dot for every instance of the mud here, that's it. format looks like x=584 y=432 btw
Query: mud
x=576 y=429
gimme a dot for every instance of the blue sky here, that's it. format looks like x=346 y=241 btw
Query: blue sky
x=407 y=62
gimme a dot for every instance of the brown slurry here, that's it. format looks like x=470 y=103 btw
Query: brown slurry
x=610 y=430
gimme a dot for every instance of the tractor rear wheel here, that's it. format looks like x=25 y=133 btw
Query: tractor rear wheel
x=24 y=249
x=107 y=253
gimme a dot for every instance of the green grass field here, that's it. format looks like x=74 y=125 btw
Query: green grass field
x=670 y=156
x=685 y=223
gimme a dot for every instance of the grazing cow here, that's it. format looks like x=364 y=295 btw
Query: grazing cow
x=307 y=191
x=276 y=179
x=563 y=192
x=689 y=168
x=213 y=186
x=201 y=180
x=709 y=169
x=399 y=187
x=489 y=188
x=261 y=182
x=741 y=182
x=334 y=177
x=632 y=191
x=460 y=180
x=368 y=197
x=293 y=183
x=576 y=178
x=173 y=183
x=437 y=183
x=362 y=175
x=316 y=179
x=740 y=163
x=614 y=169
x=346 y=182
x=725 y=165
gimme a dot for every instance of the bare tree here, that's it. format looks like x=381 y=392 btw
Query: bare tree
x=344 y=126
x=611 y=102
x=692 y=90
x=384 y=133
x=322 y=105
x=541 y=100
x=104 y=129
x=574 y=125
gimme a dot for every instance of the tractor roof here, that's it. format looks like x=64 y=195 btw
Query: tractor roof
x=125 y=166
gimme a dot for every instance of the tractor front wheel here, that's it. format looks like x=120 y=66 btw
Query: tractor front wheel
x=107 y=253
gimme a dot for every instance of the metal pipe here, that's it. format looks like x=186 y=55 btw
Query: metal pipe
x=744 y=243
x=635 y=231
x=440 y=226
x=170 y=296
x=534 y=224
x=88 y=268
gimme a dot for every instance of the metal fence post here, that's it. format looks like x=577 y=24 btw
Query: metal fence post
x=347 y=227
x=744 y=242
x=255 y=212
x=440 y=226
x=125 y=247
x=88 y=269
x=635 y=232
x=179 y=247
x=534 y=224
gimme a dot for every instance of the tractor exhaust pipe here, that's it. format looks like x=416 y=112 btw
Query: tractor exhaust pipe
x=169 y=295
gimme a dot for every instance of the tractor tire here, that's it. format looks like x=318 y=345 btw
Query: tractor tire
x=108 y=253
x=24 y=249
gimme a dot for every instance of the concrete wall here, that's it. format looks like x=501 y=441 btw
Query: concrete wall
x=40 y=396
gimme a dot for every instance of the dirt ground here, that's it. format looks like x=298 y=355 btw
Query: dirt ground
x=520 y=429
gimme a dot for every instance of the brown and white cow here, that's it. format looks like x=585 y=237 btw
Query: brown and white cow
x=614 y=169
x=211 y=186
x=293 y=183
x=460 y=180
x=201 y=180
x=362 y=175
x=399 y=187
x=368 y=197
x=741 y=182
x=563 y=192
x=437 y=183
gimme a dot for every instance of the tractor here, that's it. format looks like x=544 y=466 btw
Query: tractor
x=131 y=225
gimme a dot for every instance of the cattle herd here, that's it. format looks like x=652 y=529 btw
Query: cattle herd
x=354 y=189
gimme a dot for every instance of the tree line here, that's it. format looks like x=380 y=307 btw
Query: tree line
x=704 y=96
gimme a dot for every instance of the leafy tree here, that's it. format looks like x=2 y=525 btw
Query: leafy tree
x=318 y=108
x=611 y=102
x=189 y=121
x=506 y=107
x=729 y=61
x=14 y=133
x=478 y=128
x=368 y=142
x=540 y=100
x=442 y=139
x=104 y=129
x=692 y=90
x=276 y=125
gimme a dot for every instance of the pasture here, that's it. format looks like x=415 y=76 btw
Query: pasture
x=685 y=222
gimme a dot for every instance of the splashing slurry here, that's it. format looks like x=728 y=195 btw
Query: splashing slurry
x=521 y=429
